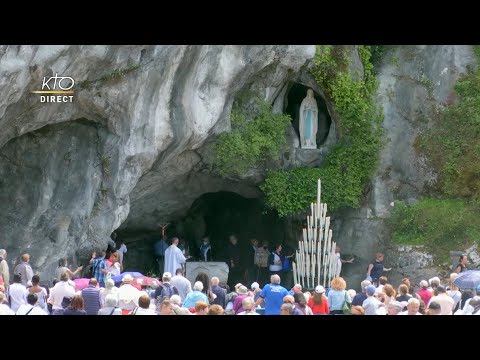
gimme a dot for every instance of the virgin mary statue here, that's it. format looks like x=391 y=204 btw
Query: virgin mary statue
x=308 y=122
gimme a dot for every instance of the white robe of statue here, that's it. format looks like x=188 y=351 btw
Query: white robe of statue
x=308 y=122
x=174 y=259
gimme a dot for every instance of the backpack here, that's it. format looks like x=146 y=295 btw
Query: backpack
x=166 y=290
x=91 y=270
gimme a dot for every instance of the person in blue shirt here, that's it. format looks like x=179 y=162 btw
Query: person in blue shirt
x=376 y=269
x=272 y=294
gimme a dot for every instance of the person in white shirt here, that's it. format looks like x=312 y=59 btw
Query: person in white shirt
x=61 y=289
x=128 y=295
x=111 y=306
x=122 y=250
x=183 y=285
x=17 y=292
x=109 y=289
x=445 y=301
x=340 y=261
x=143 y=306
x=174 y=257
x=4 y=269
x=30 y=308
x=371 y=304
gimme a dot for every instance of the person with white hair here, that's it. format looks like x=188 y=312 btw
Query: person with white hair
x=273 y=295
x=296 y=288
x=177 y=306
x=351 y=293
x=109 y=289
x=165 y=307
x=249 y=307
x=424 y=293
x=195 y=295
x=412 y=307
x=307 y=295
x=360 y=297
x=454 y=292
x=394 y=308
x=111 y=305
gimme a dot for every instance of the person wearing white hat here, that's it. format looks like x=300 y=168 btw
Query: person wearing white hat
x=318 y=302
x=256 y=290
x=242 y=292
x=127 y=294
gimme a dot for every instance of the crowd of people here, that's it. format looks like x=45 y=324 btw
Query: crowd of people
x=111 y=292
x=255 y=262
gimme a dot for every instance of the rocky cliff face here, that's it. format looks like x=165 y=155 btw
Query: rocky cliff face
x=415 y=82
x=70 y=173
x=128 y=150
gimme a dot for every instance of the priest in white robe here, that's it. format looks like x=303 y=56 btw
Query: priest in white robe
x=174 y=257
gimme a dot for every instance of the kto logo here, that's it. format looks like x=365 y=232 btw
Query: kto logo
x=59 y=89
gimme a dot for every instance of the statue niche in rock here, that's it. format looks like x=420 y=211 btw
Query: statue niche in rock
x=308 y=122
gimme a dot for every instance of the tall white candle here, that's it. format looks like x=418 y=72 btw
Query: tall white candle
x=319 y=191
x=294 y=265
x=319 y=262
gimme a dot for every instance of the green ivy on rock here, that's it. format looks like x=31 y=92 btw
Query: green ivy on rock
x=254 y=140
